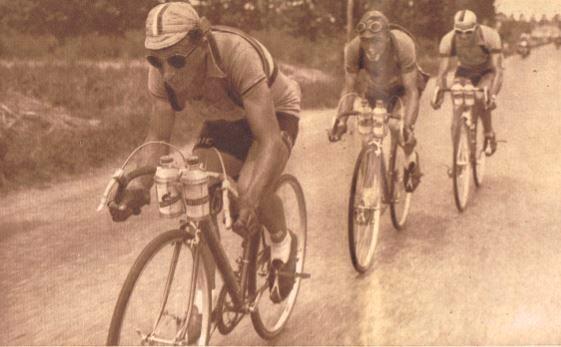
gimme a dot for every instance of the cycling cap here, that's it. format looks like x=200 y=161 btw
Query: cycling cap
x=464 y=20
x=169 y=23
x=372 y=22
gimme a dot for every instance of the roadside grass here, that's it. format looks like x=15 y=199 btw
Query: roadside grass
x=113 y=99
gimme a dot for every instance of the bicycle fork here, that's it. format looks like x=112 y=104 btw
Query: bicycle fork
x=471 y=127
x=375 y=166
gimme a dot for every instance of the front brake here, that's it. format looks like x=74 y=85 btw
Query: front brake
x=115 y=179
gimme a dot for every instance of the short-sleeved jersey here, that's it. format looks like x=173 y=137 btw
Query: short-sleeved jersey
x=220 y=96
x=400 y=58
x=476 y=55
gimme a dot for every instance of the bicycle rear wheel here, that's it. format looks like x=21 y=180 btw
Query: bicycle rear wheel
x=269 y=318
x=400 y=199
x=153 y=301
x=478 y=161
x=460 y=167
x=364 y=209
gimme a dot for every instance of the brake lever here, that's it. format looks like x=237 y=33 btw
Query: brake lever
x=119 y=173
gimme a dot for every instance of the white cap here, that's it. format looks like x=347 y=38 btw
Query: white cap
x=168 y=23
x=464 y=20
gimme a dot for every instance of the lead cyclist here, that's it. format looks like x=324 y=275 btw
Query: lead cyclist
x=251 y=112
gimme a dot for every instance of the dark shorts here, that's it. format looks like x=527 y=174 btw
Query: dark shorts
x=388 y=96
x=473 y=75
x=235 y=137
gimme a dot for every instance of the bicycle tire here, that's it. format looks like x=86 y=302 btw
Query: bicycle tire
x=479 y=156
x=397 y=190
x=138 y=269
x=460 y=172
x=258 y=319
x=362 y=265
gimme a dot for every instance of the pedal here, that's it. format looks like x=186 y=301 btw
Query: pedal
x=302 y=275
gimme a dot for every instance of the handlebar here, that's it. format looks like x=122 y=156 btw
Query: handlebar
x=342 y=118
x=358 y=113
x=123 y=179
x=475 y=89
x=472 y=89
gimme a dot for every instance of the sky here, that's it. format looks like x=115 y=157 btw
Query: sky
x=529 y=7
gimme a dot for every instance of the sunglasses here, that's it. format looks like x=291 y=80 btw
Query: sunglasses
x=176 y=61
x=373 y=26
x=464 y=32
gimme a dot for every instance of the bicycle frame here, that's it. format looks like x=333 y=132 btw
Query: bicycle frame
x=201 y=232
x=373 y=142
x=375 y=147
x=237 y=288
x=464 y=98
x=206 y=230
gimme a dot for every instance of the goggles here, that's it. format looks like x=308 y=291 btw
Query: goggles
x=372 y=26
x=464 y=32
x=176 y=61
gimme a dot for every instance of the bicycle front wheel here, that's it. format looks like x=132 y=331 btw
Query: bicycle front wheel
x=478 y=160
x=153 y=303
x=365 y=204
x=460 y=167
x=268 y=317
x=400 y=199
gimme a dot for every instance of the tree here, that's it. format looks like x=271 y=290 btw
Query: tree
x=68 y=18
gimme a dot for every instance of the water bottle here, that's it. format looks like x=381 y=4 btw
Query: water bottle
x=365 y=118
x=379 y=115
x=195 y=189
x=166 y=178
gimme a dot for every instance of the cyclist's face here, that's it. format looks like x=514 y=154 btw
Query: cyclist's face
x=465 y=35
x=374 y=46
x=181 y=65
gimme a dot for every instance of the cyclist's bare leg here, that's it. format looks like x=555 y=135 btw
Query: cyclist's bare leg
x=270 y=212
x=411 y=143
x=479 y=109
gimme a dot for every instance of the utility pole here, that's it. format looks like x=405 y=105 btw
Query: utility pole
x=350 y=25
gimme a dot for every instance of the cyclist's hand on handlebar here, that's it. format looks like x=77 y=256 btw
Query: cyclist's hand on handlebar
x=128 y=202
x=338 y=129
x=437 y=99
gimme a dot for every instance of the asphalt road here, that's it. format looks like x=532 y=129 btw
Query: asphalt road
x=490 y=275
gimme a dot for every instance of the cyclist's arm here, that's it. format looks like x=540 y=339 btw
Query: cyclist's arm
x=444 y=65
x=411 y=97
x=267 y=156
x=160 y=126
x=497 y=64
x=347 y=95
x=351 y=55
